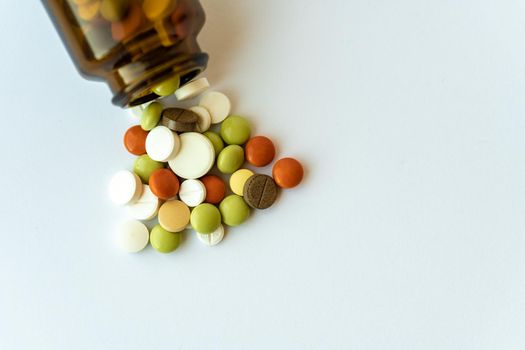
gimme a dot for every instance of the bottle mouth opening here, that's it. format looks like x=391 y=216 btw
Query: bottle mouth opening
x=139 y=92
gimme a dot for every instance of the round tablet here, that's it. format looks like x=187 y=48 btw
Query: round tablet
x=113 y=10
x=164 y=184
x=192 y=192
x=238 y=179
x=215 y=189
x=213 y=238
x=192 y=89
x=174 y=216
x=88 y=11
x=135 y=140
x=204 y=122
x=205 y=218
x=133 y=236
x=146 y=208
x=287 y=172
x=259 y=151
x=235 y=130
x=164 y=241
x=125 y=187
x=195 y=158
x=167 y=87
x=260 y=192
x=144 y=166
x=162 y=144
x=230 y=159
x=217 y=104
x=151 y=116
x=137 y=111
x=234 y=210
x=218 y=144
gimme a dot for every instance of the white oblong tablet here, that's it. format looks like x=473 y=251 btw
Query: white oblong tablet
x=195 y=157
x=192 y=192
x=162 y=144
x=192 y=89
x=213 y=238
x=204 y=122
x=133 y=236
x=147 y=206
x=125 y=187
x=218 y=104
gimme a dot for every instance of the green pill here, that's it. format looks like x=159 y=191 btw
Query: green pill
x=144 y=166
x=151 y=116
x=167 y=87
x=205 y=218
x=230 y=159
x=235 y=130
x=164 y=241
x=216 y=141
x=114 y=10
x=234 y=210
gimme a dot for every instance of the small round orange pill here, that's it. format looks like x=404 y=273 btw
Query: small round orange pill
x=215 y=189
x=135 y=140
x=164 y=184
x=259 y=151
x=126 y=27
x=287 y=173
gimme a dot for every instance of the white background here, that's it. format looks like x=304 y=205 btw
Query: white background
x=407 y=233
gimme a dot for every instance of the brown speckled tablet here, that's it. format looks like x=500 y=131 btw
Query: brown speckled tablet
x=181 y=120
x=260 y=191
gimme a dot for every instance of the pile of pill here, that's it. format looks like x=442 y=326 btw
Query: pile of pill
x=173 y=177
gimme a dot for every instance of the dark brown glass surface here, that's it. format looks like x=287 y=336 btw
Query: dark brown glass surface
x=134 y=53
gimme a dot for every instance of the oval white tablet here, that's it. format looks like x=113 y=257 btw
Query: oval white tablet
x=162 y=144
x=147 y=206
x=125 y=187
x=218 y=104
x=213 y=238
x=204 y=122
x=133 y=236
x=195 y=157
x=192 y=89
x=192 y=192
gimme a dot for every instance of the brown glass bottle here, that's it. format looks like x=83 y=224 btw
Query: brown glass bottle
x=131 y=44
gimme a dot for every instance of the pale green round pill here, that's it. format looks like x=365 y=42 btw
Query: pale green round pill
x=144 y=166
x=216 y=141
x=234 y=210
x=235 y=130
x=151 y=116
x=230 y=159
x=167 y=87
x=205 y=218
x=164 y=241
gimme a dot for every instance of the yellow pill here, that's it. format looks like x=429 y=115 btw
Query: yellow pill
x=114 y=10
x=82 y=2
x=156 y=9
x=238 y=180
x=89 y=11
x=174 y=216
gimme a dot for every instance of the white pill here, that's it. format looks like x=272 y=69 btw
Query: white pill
x=218 y=104
x=213 y=238
x=162 y=144
x=192 y=89
x=195 y=157
x=125 y=187
x=146 y=208
x=192 y=192
x=137 y=111
x=133 y=236
x=204 y=122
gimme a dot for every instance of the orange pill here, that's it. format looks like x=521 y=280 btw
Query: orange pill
x=164 y=184
x=129 y=25
x=287 y=173
x=135 y=140
x=259 y=151
x=215 y=189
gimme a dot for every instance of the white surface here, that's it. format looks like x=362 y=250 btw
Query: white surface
x=162 y=144
x=132 y=236
x=195 y=157
x=192 y=192
x=218 y=104
x=146 y=207
x=212 y=239
x=192 y=89
x=413 y=111
x=204 y=118
x=124 y=187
